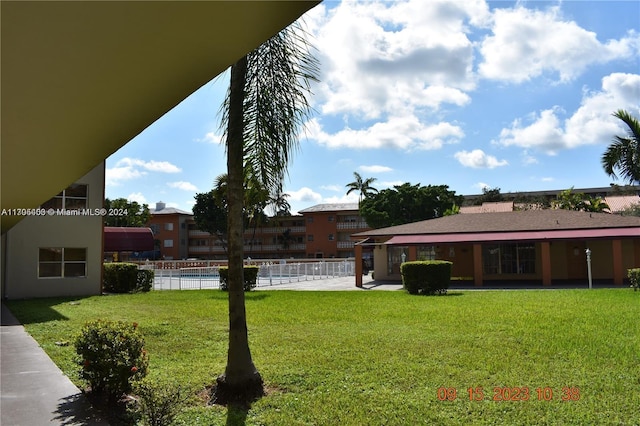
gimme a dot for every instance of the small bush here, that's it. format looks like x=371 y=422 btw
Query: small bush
x=111 y=355
x=144 y=281
x=120 y=277
x=126 y=278
x=426 y=277
x=158 y=403
x=250 y=277
x=634 y=277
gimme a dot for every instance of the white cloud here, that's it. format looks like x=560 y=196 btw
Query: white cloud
x=528 y=43
x=335 y=188
x=481 y=186
x=478 y=159
x=375 y=169
x=394 y=57
x=131 y=168
x=138 y=198
x=184 y=186
x=211 y=137
x=405 y=133
x=528 y=159
x=304 y=194
x=115 y=175
x=590 y=124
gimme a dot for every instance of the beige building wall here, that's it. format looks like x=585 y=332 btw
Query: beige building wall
x=21 y=248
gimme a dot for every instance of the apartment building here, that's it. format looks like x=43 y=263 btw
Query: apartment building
x=56 y=250
x=169 y=226
x=329 y=228
x=321 y=231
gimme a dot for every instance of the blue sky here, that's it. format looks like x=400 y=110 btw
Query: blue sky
x=470 y=94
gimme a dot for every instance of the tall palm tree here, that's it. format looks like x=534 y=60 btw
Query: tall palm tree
x=624 y=152
x=363 y=186
x=264 y=109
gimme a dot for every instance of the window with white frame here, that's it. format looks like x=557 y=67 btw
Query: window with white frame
x=62 y=262
x=73 y=197
x=168 y=243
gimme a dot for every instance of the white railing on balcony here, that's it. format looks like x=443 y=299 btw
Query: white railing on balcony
x=345 y=244
x=185 y=275
x=352 y=225
x=279 y=230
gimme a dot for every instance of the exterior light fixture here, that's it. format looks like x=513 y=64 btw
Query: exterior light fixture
x=588 y=253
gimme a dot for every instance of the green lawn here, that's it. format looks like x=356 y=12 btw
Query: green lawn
x=386 y=358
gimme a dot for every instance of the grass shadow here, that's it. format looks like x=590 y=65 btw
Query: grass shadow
x=76 y=410
x=248 y=295
x=237 y=415
x=34 y=311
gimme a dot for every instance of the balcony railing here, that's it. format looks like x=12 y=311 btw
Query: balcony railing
x=345 y=244
x=269 y=248
x=352 y=225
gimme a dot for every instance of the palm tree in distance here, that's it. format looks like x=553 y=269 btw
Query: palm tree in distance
x=624 y=152
x=363 y=186
x=264 y=109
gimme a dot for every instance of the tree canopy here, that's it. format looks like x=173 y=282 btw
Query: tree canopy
x=126 y=213
x=408 y=203
x=623 y=154
x=363 y=186
x=569 y=200
x=489 y=195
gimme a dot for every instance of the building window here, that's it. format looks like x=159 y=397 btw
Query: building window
x=168 y=243
x=331 y=237
x=60 y=262
x=330 y=218
x=509 y=258
x=155 y=228
x=73 y=197
x=168 y=226
x=310 y=219
x=310 y=237
x=426 y=253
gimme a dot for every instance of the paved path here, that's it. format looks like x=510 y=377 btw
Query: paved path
x=33 y=390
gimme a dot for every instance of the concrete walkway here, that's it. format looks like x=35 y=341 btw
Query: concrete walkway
x=33 y=390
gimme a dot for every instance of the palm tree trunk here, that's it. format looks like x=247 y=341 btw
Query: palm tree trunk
x=241 y=382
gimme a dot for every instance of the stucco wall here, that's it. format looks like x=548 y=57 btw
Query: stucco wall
x=23 y=241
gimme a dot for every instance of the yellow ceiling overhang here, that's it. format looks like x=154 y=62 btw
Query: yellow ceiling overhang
x=79 y=79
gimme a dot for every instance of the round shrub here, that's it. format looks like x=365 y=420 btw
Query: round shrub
x=111 y=355
x=426 y=277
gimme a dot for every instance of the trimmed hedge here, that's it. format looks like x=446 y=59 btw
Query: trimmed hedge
x=634 y=277
x=426 y=277
x=122 y=277
x=250 y=277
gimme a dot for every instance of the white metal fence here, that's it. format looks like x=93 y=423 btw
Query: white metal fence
x=270 y=274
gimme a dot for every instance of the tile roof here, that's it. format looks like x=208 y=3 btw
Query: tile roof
x=517 y=221
x=618 y=203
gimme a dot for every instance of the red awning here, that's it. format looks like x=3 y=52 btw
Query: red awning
x=478 y=237
x=127 y=239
